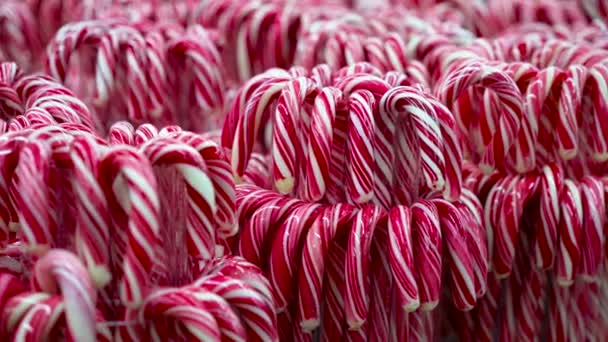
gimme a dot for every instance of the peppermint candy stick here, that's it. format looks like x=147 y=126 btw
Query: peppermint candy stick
x=570 y=233
x=401 y=258
x=493 y=204
x=333 y=325
x=63 y=270
x=594 y=210
x=31 y=197
x=261 y=227
x=121 y=133
x=250 y=123
x=381 y=296
x=184 y=314
x=164 y=152
x=130 y=187
x=218 y=169
x=205 y=85
x=318 y=161
x=257 y=315
x=427 y=242
x=402 y=100
x=569 y=103
x=477 y=238
x=462 y=270
x=512 y=211
x=597 y=138
x=315 y=262
x=356 y=297
x=360 y=147
x=546 y=235
x=504 y=87
x=286 y=142
x=286 y=253
x=93 y=219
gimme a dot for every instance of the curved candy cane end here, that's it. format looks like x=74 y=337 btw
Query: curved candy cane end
x=285 y=186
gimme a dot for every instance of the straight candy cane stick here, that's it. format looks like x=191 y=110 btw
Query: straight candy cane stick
x=570 y=233
x=401 y=258
x=592 y=243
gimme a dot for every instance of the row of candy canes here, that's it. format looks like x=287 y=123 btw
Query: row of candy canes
x=538 y=141
x=89 y=214
x=338 y=149
x=170 y=75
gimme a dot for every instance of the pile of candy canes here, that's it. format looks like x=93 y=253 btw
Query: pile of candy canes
x=234 y=170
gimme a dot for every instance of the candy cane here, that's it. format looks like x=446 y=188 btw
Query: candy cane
x=593 y=202
x=506 y=230
x=427 y=242
x=220 y=175
x=462 y=270
x=163 y=152
x=258 y=317
x=508 y=124
x=121 y=133
x=31 y=197
x=318 y=159
x=333 y=324
x=598 y=134
x=250 y=122
x=93 y=230
x=144 y=133
x=286 y=142
x=260 y=228
x=356 y=297
x=286 y=253
x=570 y=232
x=401 y=257
x=62 y=269
x=315 y=260
x=128 y=183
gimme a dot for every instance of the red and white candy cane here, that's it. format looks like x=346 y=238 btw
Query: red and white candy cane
x=333 y=326
x=461 y=264
x=550 y=189
x=173 y=312
x=287 y=142
x=427 y=241
x=401 y=258
x=505 y=88
x=250 y=122
x=129 y=185
x=219 y=173
x=512 y=210
x=197 y=74
x=92 y=239
x=258 y=231
x=165 y=152
x=597 y=124
x=257 y=314
x=356 y=296
x=121 y=50
x=570 y=233
x=121 y=133
x=569 y=103
x=285 y=255
x=63 y=271
x=592 y=243
x=498 y=189
x=315 y=259
x=20 y=39
x=320 y=142
x=477 y=238
x=31 y=198
x=144 y=133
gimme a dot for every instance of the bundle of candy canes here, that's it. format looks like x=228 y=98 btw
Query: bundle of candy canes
x=392 y=171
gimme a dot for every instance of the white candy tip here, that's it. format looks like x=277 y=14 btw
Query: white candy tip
x=411 y=307
x=429 y=306
x=600 y=157
x=365 y=198
x=564 y=282
x=309 y=324
x=502 y=276
x=100 y=276
x=356 y=325
x=567 y=154
x=237 y=179
x=285 y=186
